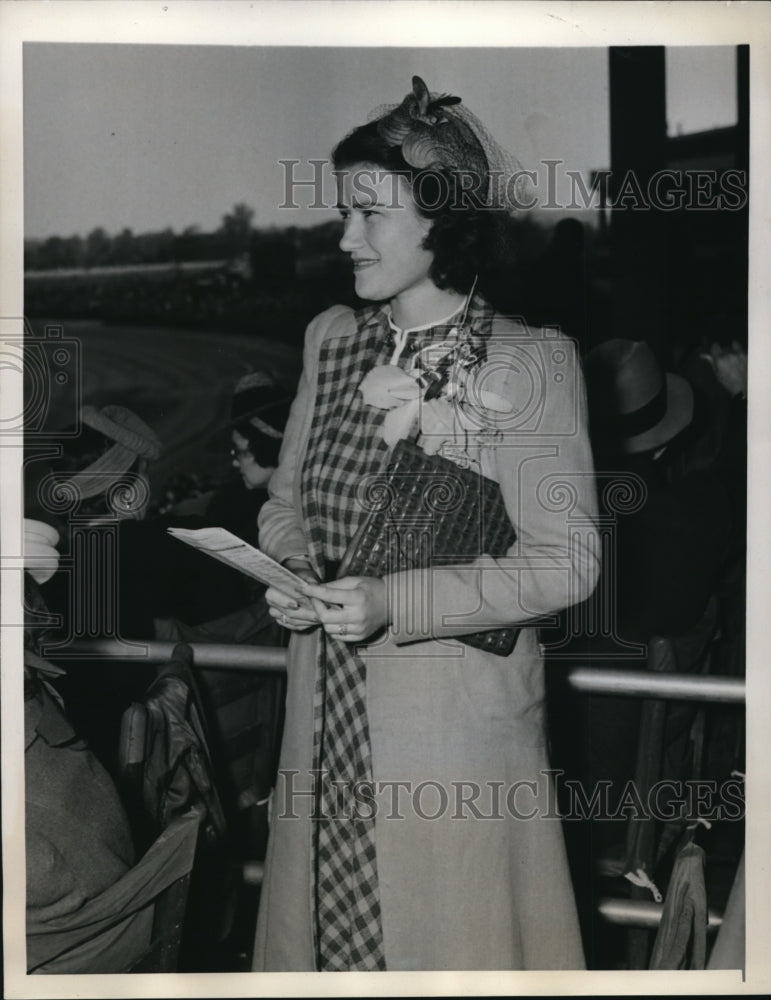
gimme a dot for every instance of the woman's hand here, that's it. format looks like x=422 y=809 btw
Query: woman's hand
x=285 y=609
x=358 y=607
x=41 y=557
x=730 y=367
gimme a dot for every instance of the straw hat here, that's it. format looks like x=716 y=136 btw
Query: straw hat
x=133 y=439
x=635 y=406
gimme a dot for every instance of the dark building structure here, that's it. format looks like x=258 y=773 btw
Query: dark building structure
x=680 y=215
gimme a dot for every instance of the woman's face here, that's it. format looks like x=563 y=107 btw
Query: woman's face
x=253 y=474
x=383 y=233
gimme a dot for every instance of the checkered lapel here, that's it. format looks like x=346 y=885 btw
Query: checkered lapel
x=339 y=437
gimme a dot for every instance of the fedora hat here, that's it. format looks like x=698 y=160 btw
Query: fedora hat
x=634 y=405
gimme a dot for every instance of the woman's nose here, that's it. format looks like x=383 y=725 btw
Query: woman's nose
x=235 y=463
x=352 y=235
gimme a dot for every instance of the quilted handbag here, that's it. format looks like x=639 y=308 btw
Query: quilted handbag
x=425 y=510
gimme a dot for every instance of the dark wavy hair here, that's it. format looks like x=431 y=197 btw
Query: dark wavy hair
x=466 y=239
x=263 y=449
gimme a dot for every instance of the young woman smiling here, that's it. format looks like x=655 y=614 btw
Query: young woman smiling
x=413 y=825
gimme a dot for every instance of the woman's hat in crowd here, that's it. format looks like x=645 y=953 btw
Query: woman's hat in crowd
x=634 y=405
x=262 y=402
x=133 y=439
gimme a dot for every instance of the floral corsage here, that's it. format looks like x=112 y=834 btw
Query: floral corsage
x=441 y=400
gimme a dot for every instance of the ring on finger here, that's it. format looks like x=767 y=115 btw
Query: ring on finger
x=343 y=629
x=283 y=618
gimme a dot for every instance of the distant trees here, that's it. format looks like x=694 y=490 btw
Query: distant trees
x=269 y=254
x=274 y=278
x=233 y=238
x=99 y=249
x=236 y=229
x=273 y=253
x=55 y=252
x=124 y=247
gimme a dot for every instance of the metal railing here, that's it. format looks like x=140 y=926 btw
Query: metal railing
x=594 y=680
x=644 y=913
x=638 y=913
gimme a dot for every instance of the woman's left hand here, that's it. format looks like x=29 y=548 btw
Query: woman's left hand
x=359 y=607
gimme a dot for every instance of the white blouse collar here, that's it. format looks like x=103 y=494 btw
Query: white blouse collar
x=425 y=326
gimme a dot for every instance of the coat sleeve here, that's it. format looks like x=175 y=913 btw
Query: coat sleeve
x=281 y=533
x=543 y=461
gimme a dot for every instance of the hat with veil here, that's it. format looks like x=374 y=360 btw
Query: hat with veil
x=438 y=132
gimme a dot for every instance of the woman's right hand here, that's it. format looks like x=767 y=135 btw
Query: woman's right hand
x=286 y=610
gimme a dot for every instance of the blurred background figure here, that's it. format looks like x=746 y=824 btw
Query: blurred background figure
x=564 y=285
x=715 y=365
x=151 y=586
x=93 y=488
x=206 y=601
x=661 y=576
x=192 y=590
x=95 y=491
x=78 y=837
x=259 y=413
x=561 y=284
x=101 y=468
x=100 y=473
x=671 y=548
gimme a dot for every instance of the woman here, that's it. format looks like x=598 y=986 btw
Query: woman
x=384 y=704
x=259 y=411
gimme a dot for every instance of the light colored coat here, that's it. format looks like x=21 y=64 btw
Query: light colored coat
x=464 y=727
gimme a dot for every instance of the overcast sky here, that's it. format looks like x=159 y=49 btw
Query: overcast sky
x=149 y=136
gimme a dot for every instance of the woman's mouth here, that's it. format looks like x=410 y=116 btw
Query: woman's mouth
x=359 y=265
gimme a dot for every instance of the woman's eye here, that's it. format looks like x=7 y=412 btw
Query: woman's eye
x=344 y=214
x=368 y=213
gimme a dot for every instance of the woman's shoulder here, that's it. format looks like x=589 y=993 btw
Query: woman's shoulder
x=548 y=346
x=332 y=322
x=323 y=326
x=538 y=365
x=518 y=328
x=337 y=321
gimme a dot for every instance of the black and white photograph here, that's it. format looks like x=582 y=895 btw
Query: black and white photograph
x=383 y=532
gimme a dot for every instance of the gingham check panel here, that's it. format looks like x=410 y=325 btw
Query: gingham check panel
x=346 y=446
x=345 y=442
